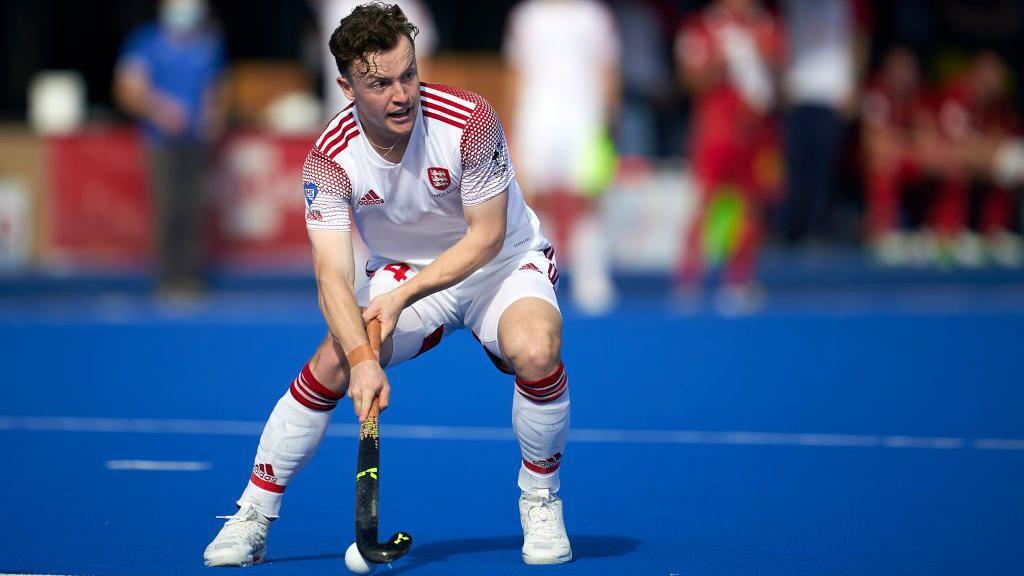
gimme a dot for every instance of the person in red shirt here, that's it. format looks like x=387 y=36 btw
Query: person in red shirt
x=974 y=119
x=897 y=122
x=728 y=56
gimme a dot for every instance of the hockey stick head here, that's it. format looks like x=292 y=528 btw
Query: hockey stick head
x=385 y=552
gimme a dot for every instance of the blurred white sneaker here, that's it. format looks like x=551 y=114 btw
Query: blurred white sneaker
x=891 y=249
x=242 y=541
x=544 y=537
x=969 y=250
x=734 y=300
x=1006 y=249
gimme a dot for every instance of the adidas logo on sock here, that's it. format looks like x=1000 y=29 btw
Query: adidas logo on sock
x=371 y=198
x=265 y=472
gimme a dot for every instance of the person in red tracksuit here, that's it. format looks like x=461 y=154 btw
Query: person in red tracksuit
x=728 y=56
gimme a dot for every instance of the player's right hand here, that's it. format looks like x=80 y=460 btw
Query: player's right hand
x=368 y=381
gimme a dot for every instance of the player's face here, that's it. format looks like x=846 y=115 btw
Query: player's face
x=388 y=93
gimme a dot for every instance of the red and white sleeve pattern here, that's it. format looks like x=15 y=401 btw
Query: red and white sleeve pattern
x=328 y=192
x=486 y=166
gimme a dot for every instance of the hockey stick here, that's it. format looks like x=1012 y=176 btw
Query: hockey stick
x=367 y=480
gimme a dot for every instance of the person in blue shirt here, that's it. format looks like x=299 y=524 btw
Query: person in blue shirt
x=168 y=77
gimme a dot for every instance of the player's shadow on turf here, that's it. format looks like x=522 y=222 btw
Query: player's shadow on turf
x=273 y=560
x=598 y=546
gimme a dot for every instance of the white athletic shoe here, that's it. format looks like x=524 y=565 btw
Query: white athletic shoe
x=242 y=541
x=544 y=537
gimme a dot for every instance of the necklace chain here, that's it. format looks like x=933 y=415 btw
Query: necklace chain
x=385 y=150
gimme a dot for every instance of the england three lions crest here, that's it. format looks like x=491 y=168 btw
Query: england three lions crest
x=440 y=178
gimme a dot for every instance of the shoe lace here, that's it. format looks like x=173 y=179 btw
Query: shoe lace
x=242 y=524
x=543 y=520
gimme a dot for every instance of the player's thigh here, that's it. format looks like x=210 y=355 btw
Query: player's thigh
x=421 y=326
x=516 y=315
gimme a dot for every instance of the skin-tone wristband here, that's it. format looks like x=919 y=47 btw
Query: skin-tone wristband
x=360 y=354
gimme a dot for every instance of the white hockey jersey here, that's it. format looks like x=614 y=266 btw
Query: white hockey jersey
x=412 y=211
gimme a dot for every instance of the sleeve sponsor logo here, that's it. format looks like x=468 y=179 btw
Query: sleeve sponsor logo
x=500 y=159
x=311 y=191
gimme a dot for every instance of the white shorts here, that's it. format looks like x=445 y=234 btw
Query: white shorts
x=476 y=303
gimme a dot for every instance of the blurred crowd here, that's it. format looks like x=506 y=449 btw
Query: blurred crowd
x=791 y=112
x=785 y=111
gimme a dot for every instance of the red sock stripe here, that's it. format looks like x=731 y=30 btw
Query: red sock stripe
x=545 y=381
x=534 y=468
x=545 y=390
x=549 y=394
x=309 y=392
x=303 y=398
x=555 y=395
x=315 y=385
x=261 y=483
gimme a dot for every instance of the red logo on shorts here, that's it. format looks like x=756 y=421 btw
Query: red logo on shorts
x=439 y=178
x=530 y=266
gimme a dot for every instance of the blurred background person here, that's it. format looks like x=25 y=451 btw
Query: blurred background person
x=897 y=136
x=975 y=217
x=646 y=77
x=168 y=76
x=728 y=56
x=564 y=55
x=330 y=13
x=820 y=87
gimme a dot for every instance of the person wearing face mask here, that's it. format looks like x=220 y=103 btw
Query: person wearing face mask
x=168 y=77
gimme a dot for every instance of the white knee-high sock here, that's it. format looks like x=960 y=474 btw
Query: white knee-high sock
x=540 y=418
x=292 y=435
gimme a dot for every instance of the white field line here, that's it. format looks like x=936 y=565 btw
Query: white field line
x=470 y=433
x=159 y=465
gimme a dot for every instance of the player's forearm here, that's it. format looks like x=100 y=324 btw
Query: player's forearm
x=340 y=309
x=454 y=265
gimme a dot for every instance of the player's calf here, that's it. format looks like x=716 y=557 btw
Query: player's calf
x=540 y=418
x=291 y=437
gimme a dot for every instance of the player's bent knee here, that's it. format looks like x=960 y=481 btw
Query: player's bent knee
x=529 y=335
x=534 y=356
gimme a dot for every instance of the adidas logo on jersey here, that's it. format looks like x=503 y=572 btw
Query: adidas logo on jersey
x=371 y=198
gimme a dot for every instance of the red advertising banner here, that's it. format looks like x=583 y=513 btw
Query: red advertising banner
x=98 y=210
x=99 y=213
x=258 y=205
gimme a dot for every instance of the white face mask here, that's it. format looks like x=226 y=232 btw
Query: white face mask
x=182 y=15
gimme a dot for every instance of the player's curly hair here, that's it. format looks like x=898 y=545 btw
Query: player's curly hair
x=372 y=27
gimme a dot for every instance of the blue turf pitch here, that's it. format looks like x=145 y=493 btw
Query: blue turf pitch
x=831 y=434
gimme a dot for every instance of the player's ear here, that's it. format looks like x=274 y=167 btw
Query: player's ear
x=346 y=87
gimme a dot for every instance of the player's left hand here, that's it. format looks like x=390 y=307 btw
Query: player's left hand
x=386 y=308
